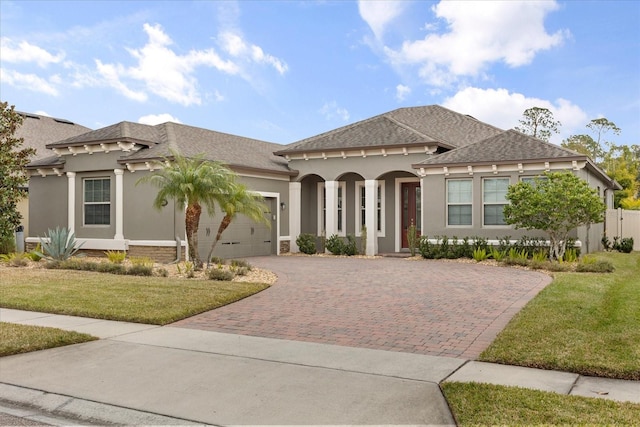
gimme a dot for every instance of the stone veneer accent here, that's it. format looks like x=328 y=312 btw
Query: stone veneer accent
x=160 y=254
x=285 y=246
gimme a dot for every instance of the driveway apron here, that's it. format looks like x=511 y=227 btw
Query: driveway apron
x=440 y=308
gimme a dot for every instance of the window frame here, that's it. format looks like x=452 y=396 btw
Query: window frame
x=322 y=204
x=449 y=203
x=380 y=207
x=494 y=203
x=85 y=203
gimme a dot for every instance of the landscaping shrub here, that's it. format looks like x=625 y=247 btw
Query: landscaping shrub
x=162 y=272
x=116 y=257
x=7 y=244
x=306 y=243
x=141 y=260
x=220 y=274
x=217 y=260
x=570 y=255
x=335 y=244
x=480 y=254
x=61 y=244
x=241 y=263
x=188 y=268
x=15 y=259
x=139 y=270
x=426 y=248
x=540 y=256
x=625 y=245
x=350 y=248
x=36 y=254
x=498 y=254
x=111 y=268
x=589 y=264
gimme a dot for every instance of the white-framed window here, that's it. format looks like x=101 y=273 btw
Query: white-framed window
x=361 y=203
x=96 y=201
x=459 y=202
x=494 y=192
x=341 y=212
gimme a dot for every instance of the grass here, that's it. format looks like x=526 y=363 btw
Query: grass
x=587 y=323
x=485 y=404
x=153 y=300
x=16 y=339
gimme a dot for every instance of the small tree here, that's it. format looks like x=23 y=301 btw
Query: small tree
x=539 y=123
x=556 y=204
x=13 y=178
x=191 y=182
x=238 y=200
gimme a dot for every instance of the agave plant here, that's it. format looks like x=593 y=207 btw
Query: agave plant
x=60 y=244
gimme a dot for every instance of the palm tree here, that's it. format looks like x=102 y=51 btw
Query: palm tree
x=192 y=182
x=238 y=201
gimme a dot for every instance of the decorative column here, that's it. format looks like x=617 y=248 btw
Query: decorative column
x=119 y=205
x=71 y=201
x=371 y=210
x=331 y=208
x=295 y=206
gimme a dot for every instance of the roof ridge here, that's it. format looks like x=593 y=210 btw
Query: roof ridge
x=409 y=128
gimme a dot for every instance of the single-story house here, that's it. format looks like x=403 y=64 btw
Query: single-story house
x=443 y=171
x=37 y=131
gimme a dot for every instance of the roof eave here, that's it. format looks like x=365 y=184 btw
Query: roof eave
x=364 y=147
x=98 y=142
x=494 y=162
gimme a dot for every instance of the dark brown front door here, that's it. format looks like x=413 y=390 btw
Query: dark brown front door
x=411 y=209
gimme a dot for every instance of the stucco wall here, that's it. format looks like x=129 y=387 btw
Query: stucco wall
x=47 y=204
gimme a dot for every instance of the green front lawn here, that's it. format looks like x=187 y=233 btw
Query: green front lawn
x=588 y=323
x=16 y=339
x=154 y=300
x=485 y=404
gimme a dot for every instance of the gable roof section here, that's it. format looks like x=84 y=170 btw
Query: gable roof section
x=508 y=146
x=433 y=124
x=236 y=151
x=123 y=131
x=158 y=141
x=38 y=131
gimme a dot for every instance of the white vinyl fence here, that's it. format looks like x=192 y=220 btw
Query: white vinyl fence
x=624 y=223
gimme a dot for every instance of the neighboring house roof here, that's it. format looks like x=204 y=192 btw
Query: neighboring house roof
x=38 y=131
x=431 y=124
x=158 y=141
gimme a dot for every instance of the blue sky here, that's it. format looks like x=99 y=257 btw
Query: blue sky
x=284 y=71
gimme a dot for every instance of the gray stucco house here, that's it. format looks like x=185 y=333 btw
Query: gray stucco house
x=445 y=172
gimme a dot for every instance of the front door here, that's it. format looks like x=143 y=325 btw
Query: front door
x=411 y=209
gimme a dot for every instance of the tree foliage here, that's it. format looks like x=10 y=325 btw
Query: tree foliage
x=620 y=162
x=556 y=204
x=191 y=182
x=13 y=177
x=239 y=200
x=539 y=123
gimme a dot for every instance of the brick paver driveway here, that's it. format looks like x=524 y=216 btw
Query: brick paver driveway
x=428 y=307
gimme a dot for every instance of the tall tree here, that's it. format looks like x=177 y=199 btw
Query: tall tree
x=556 y=205
x=584 y=144
x=539 y=123
x=238 y=201
x=191 y=182
x=13 y=178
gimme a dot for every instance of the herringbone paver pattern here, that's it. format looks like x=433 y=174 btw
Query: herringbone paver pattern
x=428 y=307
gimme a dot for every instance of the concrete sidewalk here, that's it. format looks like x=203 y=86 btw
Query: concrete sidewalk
x=143 y=374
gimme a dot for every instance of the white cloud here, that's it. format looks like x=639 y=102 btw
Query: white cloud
x=378 y=14
x=331 y=110
x=402 y=92
x=477 y=34
x=162 y=71
x=26 y=52
x=503 y=109
x=232 y=43
x=28 y=82
x=156 y=119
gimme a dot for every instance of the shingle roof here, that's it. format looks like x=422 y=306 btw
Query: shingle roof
x=405 y=126
x=233 y=150
x=159 y=140
x=123 y=131
x=38 y=131
x=507 y=146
